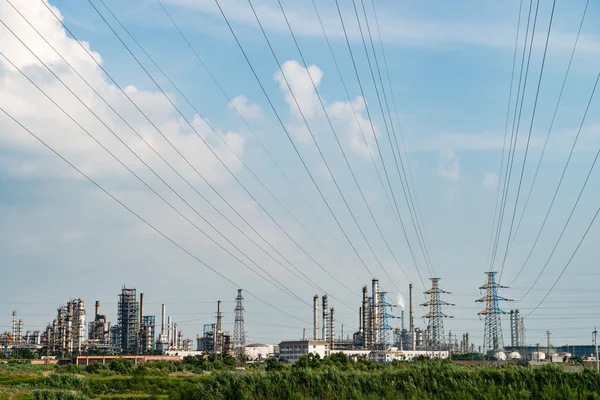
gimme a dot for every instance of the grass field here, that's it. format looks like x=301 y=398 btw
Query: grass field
x=333 y=378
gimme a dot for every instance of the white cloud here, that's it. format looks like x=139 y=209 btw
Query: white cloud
x=304 y=93
x=245 y=108
x=490 y=179
x=448 y=165
x=23 y=101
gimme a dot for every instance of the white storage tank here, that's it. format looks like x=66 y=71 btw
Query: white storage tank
x=500 y=356
x=514 y=355
x=538 y=356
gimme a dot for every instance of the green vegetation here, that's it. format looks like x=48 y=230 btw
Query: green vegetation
x=334 y=377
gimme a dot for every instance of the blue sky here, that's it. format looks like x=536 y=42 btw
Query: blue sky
x=450 y=68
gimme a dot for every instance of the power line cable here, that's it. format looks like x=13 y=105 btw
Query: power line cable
x=537 y=94
x=288 y=135
x=419 y=215
x=304 y=277
x=283 y=287
x=132 y=151
x=244 y=120
x=341 y=148
x=336 y=184
x=580 y=192
x=560 y=181
x=514 y=132
x=512 y=78
x=212 y=151
x=267 y=303
x=404 y=182
x=558 y=102
x=359 y=125
x=412 y=253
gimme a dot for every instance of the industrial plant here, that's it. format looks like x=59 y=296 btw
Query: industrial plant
x=136 y=333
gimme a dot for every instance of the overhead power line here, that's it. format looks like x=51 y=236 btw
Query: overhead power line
x=510 y=91
x=210 y=148
x=535 y=103
x=412 y=253
x=342 y=149
x=580 y=192
x=280 y=287
x=402 y=176
x=139 y=217
x=558 y=102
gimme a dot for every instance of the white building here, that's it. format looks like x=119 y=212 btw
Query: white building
x=292 y=350
x=405 y=355
x=259 y=351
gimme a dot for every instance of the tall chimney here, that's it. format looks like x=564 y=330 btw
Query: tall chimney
x=411 y=317
x=163 y=321
x=324 y=305
x=365 y=317
x=304 y=338
x=219 y=316
x=96 y=310
x=331 y=328
x=360 y=317
x=375 y=313
x=141 y=309
x=316 y=317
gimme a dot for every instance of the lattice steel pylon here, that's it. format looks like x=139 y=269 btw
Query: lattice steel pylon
x=435 y=337
x=492 y=338
x=385 y=329
x=239 y=335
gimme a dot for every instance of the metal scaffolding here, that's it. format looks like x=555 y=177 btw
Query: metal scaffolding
x=492 y=341
x=435 y=329
x=128 y=314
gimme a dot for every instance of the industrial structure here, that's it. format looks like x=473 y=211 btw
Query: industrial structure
x=435 y=341
x=493 y=343
x=239 y=334
x=67 y=333
x=517 y=329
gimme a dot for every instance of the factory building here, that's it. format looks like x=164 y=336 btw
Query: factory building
x=292 y=350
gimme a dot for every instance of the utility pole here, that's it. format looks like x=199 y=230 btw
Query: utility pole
x=595 y=333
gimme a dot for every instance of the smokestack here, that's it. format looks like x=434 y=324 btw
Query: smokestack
x=331 y=328
x=219 y=316
x=316 y=317
x=96 y=310
x=169 y=333
x=304 y=334
x=365 y=317
x=375 y=312
x=141 y=309
x=360 y=327
x=324 y=305
x=163 y=316
x=411 y=317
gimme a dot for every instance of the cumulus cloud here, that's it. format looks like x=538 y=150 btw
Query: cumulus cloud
x=347 y=117
x=301 y=85
x=245 y=108
x=27 y=104
x=490 y=179
x=448 y=165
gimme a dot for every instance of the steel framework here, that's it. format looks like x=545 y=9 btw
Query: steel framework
x=492 y=338
x=435 y=329
x=239 y=335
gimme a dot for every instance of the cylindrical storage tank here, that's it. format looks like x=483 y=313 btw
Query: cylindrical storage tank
x=500 y=355
x=538 y=356
x=514 y=355
x=555 y=357
x=565 y=354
